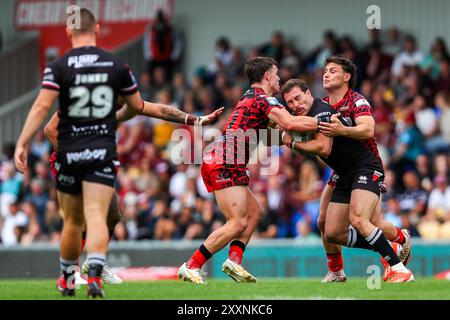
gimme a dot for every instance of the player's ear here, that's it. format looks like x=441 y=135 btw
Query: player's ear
x=97 y=29
x=347 y=77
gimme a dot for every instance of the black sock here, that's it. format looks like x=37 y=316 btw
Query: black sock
x=83 y=235
x=96 y=262
x=238 y=243
x=205 y=252
x=356 y=240
x=380 y=244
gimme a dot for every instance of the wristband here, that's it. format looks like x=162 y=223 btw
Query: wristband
x=186 y=119
x=293 y=144
x=282 y=135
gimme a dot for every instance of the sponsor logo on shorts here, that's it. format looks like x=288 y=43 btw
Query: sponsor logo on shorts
x=376 y=175
x=66 y=180
x=104 y=175
x=57 y=166
x=86 y=155
x=362 y=179
x=222 y=178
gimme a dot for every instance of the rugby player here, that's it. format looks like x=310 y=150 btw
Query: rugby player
x=114 y=215
x=339 y=79
x=88 y=81
x=224 y=169
x=354 y=217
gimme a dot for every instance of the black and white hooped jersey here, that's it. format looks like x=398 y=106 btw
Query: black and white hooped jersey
x=89 y=81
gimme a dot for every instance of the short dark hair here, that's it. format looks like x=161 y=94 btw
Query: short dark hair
x=347 y=65
x=87 y=22
x=292 y=83
x=256 y=67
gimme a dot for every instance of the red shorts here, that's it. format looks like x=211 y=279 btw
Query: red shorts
x=52 y=161
x=220 y=176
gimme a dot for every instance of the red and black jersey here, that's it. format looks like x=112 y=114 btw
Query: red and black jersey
x=89 y=81
x=240 y=134
x=352 y=106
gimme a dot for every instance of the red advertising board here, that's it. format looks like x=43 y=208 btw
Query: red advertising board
x=120 y=21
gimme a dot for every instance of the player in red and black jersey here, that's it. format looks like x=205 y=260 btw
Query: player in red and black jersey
x=225 y=173
x=88 y=82
x=360 y=174
x=338 y=80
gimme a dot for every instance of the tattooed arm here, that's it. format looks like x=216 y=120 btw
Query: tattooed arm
x=135 y=105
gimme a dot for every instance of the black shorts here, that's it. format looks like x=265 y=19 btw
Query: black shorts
x=98 y=165
x=364 y=179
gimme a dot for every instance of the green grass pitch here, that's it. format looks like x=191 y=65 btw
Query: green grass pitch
x=265 y=289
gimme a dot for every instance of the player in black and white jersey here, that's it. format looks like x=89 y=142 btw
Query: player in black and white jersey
x=360 y=174
x=88 y=81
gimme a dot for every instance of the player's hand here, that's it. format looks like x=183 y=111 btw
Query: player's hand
x=333 y=128
x=287 y=139
x=210 y=118
x=20 y=159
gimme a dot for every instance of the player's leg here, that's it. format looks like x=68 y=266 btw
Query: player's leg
x=95 y=211
x=333 y=251
x=400 y=239
x=233 y=203
x=362 y=205
x=232 y=266
x=72 y=208
x=114 y=216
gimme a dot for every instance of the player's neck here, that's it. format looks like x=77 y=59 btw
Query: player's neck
x=337 y=94
x=266 y=89
x=83 y=41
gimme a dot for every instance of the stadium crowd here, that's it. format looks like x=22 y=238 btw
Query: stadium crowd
x=408 y=89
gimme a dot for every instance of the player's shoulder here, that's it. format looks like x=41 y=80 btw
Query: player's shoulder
x=357 y=99
x=320 y=108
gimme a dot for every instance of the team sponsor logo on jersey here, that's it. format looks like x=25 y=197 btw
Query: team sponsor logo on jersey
x=47 y=70
x=322 y=114
x=66 y=180
x=273 y=101
x=344 y=108
x=362 y=102
x=362 y=179
x=86 y=155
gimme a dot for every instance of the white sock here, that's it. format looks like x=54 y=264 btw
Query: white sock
x=400 y=267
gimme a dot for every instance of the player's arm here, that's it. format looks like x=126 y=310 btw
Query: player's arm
x=135 y=105
x=51 y=130
x=39 y=111
x=363 y=130
x=320 y=145
x=289 y=122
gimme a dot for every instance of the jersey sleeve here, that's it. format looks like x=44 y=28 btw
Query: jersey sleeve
x=270 y=103
x=361 y=107
x=51 y=78
x=128 y=83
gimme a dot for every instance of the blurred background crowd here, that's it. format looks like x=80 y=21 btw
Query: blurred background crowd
x=409 y=91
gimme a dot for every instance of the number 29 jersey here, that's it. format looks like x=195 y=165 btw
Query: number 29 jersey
x=89 y=81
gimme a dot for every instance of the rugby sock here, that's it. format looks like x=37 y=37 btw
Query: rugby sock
x=335 y=262
x=236 y=251
x=400 y=239
x=356 y=240
x=199 y=258
x=68 y=268
x=380 y=244
x=95 y=261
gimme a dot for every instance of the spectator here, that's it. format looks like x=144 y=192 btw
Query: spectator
x=409 y=57
x=412 y=200
x=439 y=201
x=430 y=65
x=275 y=47
x=268 y=227
x=393 y=44
x=13 y=226
x=162 y=45
x=9 y=188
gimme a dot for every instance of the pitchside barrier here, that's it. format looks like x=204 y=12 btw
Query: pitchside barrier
x=263 y=258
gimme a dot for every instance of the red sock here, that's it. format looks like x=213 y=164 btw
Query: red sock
x=83 y=244
x=335 y=262
x=400 y=239
x=236 y=251
x=199 y=258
